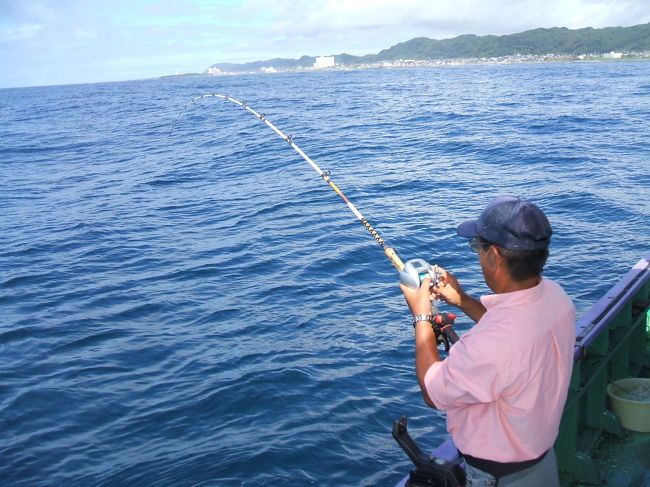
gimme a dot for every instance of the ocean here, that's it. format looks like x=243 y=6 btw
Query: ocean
x=200 y=309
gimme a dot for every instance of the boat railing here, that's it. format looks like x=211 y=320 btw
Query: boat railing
x=611 y=344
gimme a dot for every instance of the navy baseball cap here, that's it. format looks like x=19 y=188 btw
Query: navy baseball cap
x=512 y=223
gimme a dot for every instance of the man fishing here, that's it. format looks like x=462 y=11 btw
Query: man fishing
x=505 y=382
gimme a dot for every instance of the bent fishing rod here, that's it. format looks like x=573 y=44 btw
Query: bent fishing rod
x=389 y=251
x=412 y=273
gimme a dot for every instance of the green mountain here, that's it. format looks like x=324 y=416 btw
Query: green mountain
x=557 y=40
x=537 y=42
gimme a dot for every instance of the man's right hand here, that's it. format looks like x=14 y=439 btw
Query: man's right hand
x=448 y=289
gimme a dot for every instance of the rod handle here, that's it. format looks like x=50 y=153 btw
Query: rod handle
x=394 y=258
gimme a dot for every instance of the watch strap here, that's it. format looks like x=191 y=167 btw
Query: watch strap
x=417 y=318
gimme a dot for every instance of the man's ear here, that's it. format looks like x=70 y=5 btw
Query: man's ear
x=494 y=258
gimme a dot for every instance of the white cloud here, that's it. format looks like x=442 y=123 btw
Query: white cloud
x=315 y=27
x=21 y=32
x=141 y=36
x=445 y=18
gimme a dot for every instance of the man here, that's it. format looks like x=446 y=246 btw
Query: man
x=505 y=382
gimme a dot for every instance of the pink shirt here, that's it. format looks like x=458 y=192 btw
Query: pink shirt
x=505 y=382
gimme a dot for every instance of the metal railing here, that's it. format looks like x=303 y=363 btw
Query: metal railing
x=611 y=344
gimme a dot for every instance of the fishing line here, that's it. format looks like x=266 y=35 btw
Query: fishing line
x=411 y=274
x=389 y=251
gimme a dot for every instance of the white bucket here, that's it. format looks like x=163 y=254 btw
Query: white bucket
x=630 y=401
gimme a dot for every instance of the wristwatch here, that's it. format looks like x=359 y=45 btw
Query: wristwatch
x=417 y=318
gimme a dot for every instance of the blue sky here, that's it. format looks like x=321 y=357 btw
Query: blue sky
x=46 y=42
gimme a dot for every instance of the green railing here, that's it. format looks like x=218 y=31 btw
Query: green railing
x=612 y=343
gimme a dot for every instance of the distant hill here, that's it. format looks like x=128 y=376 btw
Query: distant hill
x=557 y=40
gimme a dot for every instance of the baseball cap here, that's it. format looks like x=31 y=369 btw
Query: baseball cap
x=510 y=222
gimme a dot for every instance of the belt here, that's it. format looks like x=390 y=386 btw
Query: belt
x=500 y=469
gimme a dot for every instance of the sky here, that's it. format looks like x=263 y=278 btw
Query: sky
x=51 y=42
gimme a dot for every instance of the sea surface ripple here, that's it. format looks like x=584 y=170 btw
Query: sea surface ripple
x=199 y=309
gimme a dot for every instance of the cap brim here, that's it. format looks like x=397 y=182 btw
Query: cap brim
x=468 y=229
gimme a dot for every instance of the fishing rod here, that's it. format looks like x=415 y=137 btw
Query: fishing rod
x=412 y=273
x=388 y=251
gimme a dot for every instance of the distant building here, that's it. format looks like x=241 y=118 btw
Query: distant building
x=324 y=62
x=269 y=69
x=613 y=55
x=213 y=70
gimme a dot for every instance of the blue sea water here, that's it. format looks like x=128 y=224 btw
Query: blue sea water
x=200 y=309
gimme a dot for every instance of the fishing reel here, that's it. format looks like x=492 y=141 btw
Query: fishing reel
x=415 y=270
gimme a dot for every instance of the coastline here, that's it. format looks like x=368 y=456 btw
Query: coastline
x=413 y=63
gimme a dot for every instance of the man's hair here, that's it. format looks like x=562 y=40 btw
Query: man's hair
x=522 y=264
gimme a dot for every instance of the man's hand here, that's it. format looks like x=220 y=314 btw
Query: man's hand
x=418 y=300
x=448 y=288
x=452 y=293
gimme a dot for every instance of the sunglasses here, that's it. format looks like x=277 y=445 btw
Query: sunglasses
x=475 y=244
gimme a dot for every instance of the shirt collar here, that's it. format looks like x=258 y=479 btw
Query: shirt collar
x=513 y=298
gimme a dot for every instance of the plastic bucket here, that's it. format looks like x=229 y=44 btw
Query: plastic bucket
x=630 y=401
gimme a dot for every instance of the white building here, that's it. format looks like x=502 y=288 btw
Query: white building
x=324 y=62
x=613 y=55
x=213 y=70
x=269 y=69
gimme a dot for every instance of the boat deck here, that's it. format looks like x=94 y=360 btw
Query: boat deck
x=613 y=342
x=624 y=461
